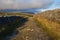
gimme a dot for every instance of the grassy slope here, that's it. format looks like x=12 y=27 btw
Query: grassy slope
x=50 y=23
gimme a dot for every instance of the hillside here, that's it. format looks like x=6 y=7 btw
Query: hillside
x=50 y=21
x=53 y=15
x=9 y=22
x=21 y=26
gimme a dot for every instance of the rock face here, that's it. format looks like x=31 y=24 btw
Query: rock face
x=31 y=32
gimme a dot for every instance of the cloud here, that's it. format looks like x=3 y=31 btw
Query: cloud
x=23 y=4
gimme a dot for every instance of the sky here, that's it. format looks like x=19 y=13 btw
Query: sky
x=55 y=5
x=25 y=4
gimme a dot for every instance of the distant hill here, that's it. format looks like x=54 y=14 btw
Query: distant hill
x=21 y=14
x=32 y=11
x=50 y=21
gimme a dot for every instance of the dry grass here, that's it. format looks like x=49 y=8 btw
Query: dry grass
x=53 y=15
x=51 y=22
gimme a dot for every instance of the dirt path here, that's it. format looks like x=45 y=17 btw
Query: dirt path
x=31 y=32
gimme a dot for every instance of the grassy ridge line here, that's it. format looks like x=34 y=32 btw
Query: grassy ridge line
x=15 y=14
x=49 y=27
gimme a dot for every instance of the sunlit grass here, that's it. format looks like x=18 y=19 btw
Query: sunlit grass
x=52 y=28
x=50 y=21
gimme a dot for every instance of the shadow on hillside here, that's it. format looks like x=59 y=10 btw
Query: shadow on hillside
x=8 y=26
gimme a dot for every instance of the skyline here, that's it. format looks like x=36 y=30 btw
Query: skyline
x=27 y=4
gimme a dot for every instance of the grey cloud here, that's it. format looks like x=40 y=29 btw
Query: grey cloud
x=23 y=4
